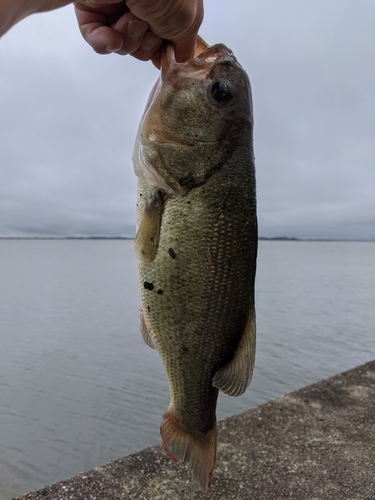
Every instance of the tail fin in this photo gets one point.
(197, 449)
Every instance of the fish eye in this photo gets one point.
(220, 91)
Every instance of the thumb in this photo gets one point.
(185, 48)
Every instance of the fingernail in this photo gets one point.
(110, 49)
(151, 41)
(135, 29)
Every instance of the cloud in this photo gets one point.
(69, 118)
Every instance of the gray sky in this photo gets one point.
(68, 120)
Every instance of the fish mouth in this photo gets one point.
(200, 65)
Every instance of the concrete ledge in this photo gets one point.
(317, 443)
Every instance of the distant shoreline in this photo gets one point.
(285, 238)
(261, 238)
(67, 237)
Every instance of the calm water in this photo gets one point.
(79, 388)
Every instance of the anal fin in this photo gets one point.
(234, 377)
(147, 238)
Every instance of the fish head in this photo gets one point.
(198, 114)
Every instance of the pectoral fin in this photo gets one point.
(145, 333)
(234, 377)
(147, 238)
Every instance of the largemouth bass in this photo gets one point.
(196, 242)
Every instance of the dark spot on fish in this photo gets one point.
(185, 349)
(148, 308)
(172, 253)
(186, 181)
(148, 286)
(189, 201)
(160, 291)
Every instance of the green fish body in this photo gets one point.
(196, 243)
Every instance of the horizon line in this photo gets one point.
(97, 237)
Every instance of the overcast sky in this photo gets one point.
(68, 120)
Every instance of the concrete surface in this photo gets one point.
(316, 443)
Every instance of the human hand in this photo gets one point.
(109, 26)
(138, 27)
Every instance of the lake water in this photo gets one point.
(78, 387)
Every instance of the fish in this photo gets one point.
(196, 242)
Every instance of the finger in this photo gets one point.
(156, 58)
(150, 45)
(114, 8)
(185, 46)
(93, 25)
(132, 31)
(97, 3)
(185, 49)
